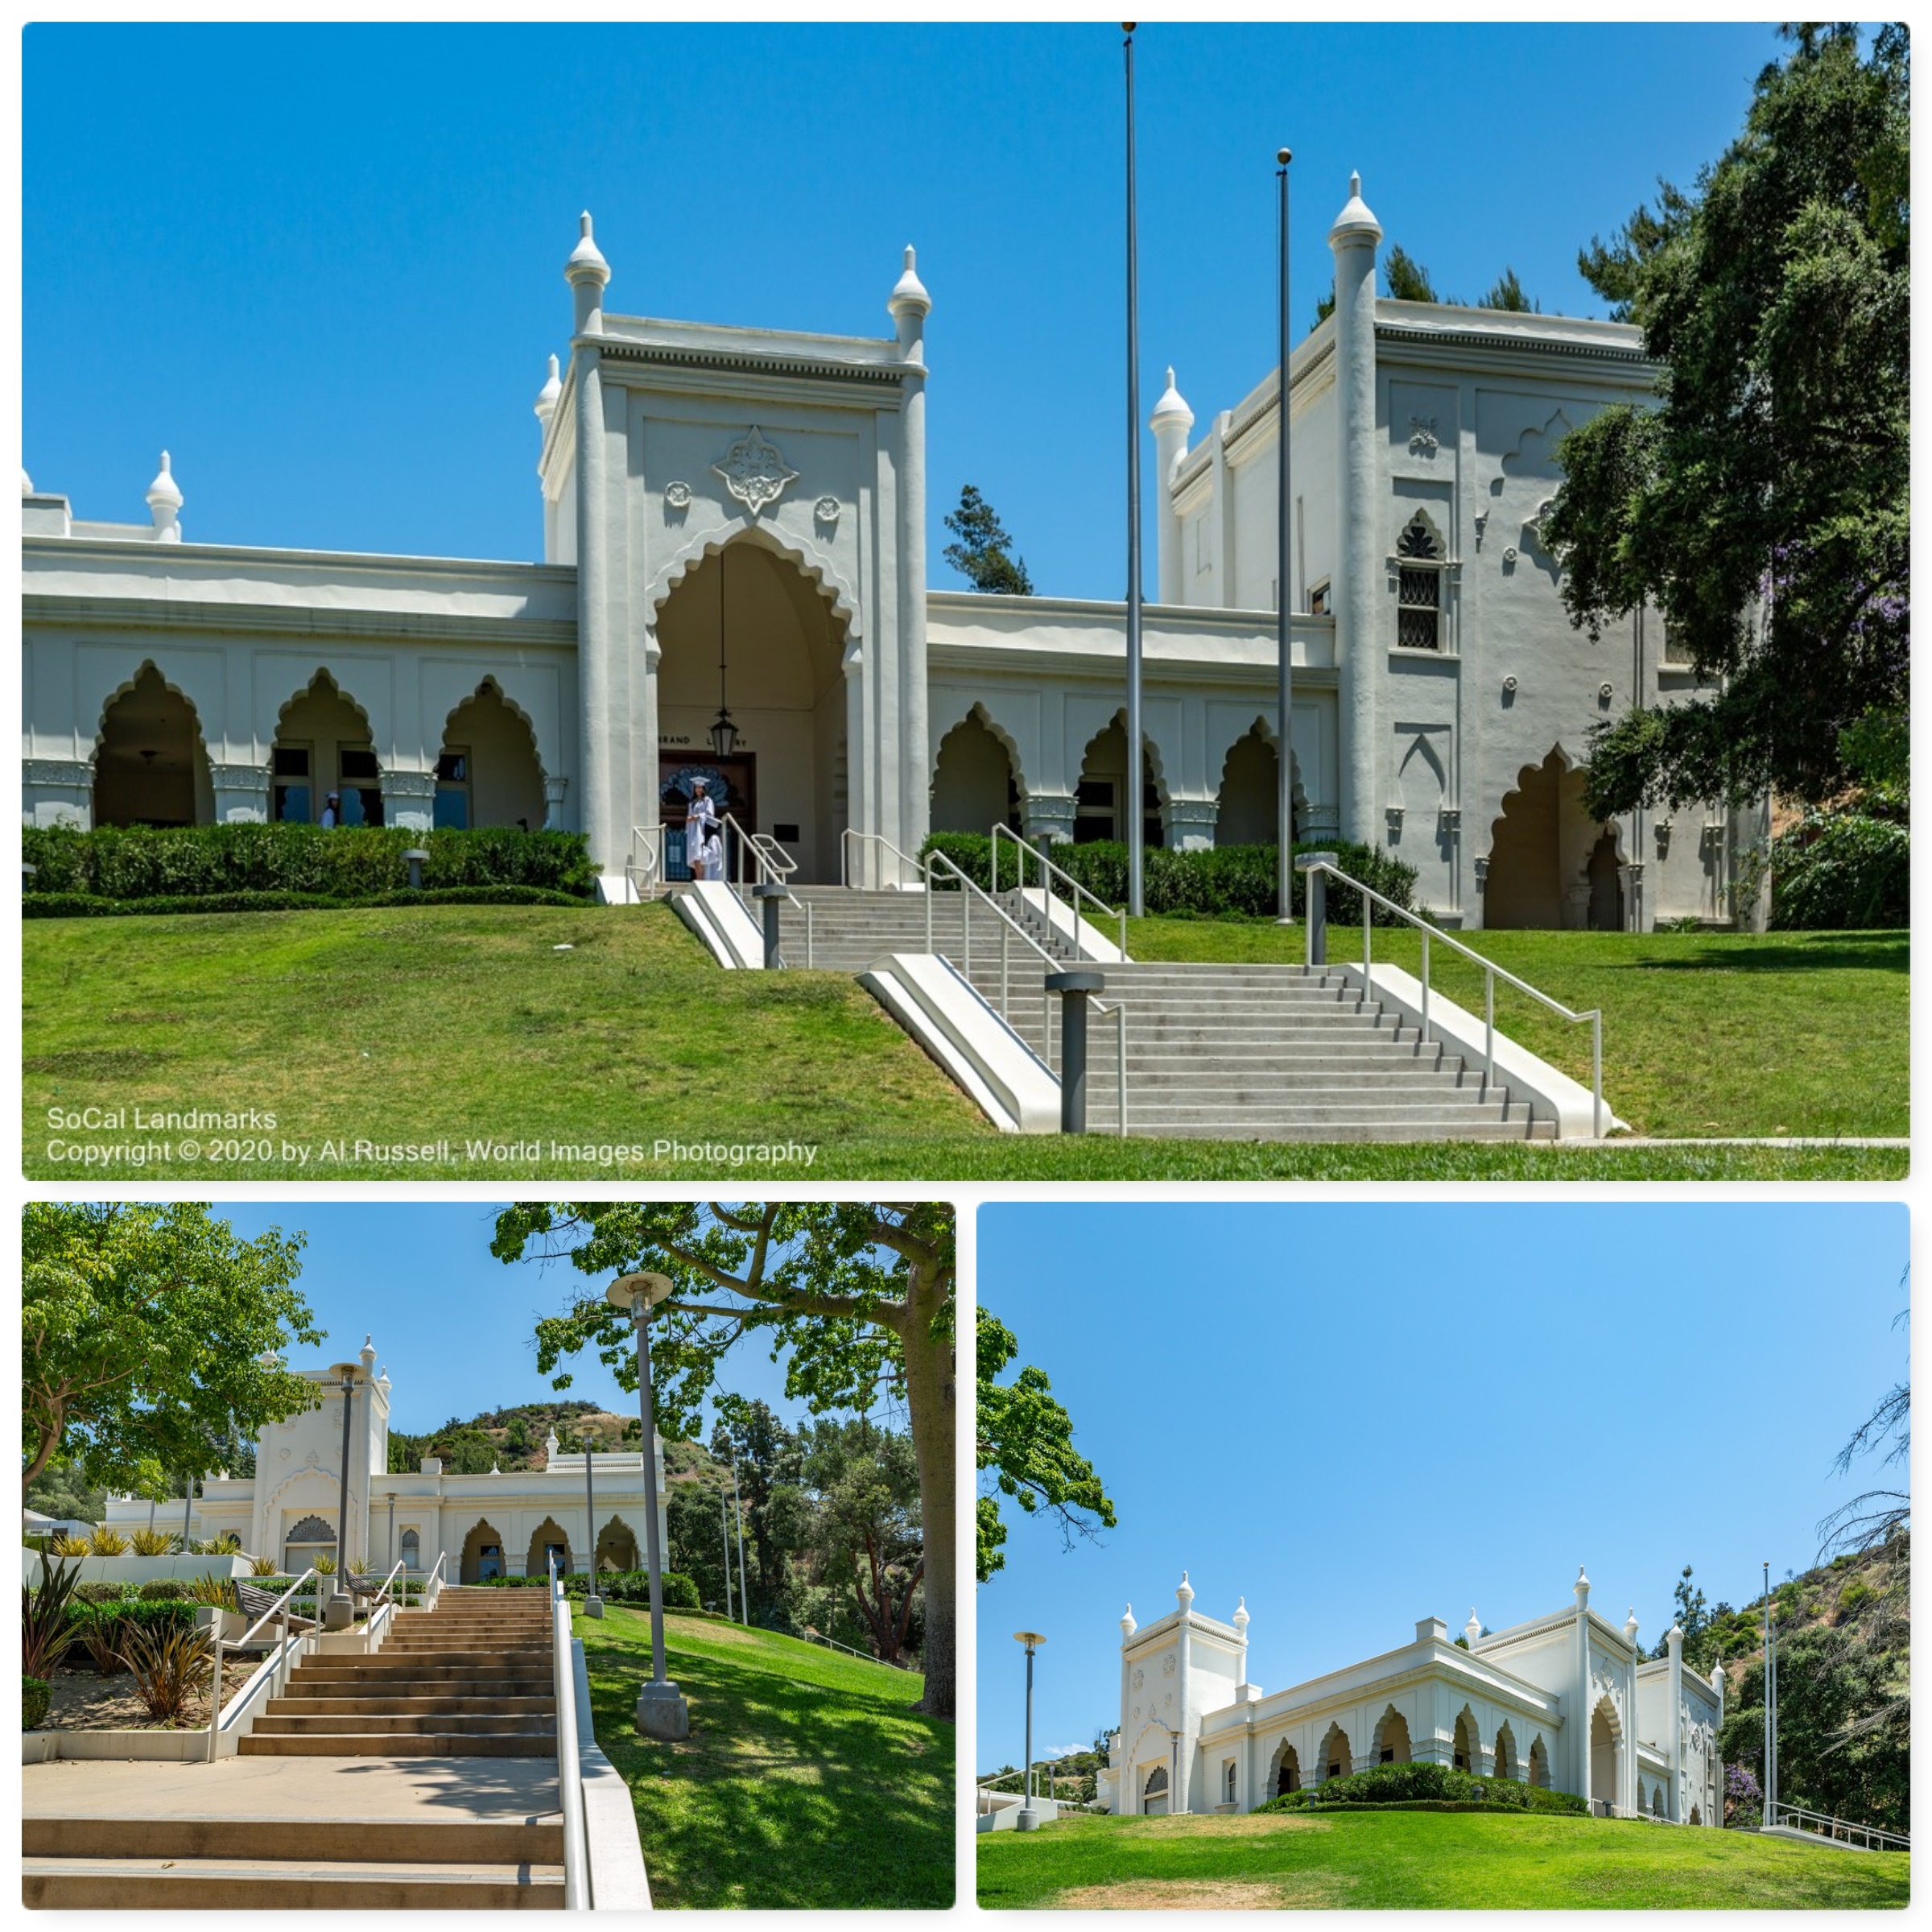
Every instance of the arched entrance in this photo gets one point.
(1550, 864)
(151, 767)
(1539, 1765)
(482, 1555)
(324, 744)
(1250, 802)
(1392, 1739)
(973, 786)
(1101, 805)
(616, 1547)
(547, 1537)
(1465, 1749)
(1337, 1760)
(1154, 1793)
(487, 772)
(1285, 1774)
(1506, 1765)
(782, 648)
(1606, 1751)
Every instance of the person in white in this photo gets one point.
(703, 846)
(332, 813)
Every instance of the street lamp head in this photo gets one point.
(1031, 1639)
(268, 1360)
(638, 1294)
(1283, 155)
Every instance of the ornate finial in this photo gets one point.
(1474, 1627)
(909, 296)
(1241, 1619)
(546, 397)
(587, 260)
(1355, 184)
(1186, 1593)
(1128, 1625)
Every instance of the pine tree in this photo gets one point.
(984, 554)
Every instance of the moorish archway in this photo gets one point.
(1552, 865)
(487, 771)
(324, 744)
(482, 1555)
(150, 766)
(974, 785)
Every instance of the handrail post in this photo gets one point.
(1005, 951)
(570, 1771)
(1368, 951)
(928, 876)
(1120, 1021)
(1423, 1040)
(1488, 1030)
(1597, 1074)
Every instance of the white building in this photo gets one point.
(736, 519)
(498, 1524)
(1566, 1700)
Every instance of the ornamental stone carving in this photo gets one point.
(1140, 1677)
(1167, 1665)
(1422, 436)
(826, 509)
(754, 471)
(677, 496)
(56, 771)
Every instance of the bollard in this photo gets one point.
(1316, 911)
(773, 897)
(1073, 989)
(416, 859)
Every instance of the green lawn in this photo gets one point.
(1397, 1861)
(531, 1030)
(808, 1779)
(1782, 1033)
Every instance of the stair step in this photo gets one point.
(353, 1701)
(365, 1743)
(474, 1840)
(218, 1883)
(408, 1723)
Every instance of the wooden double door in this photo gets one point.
(732, 784)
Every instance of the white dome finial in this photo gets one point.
(1172, 408)
(546, 397)
(1128, 1625)
(1357, 222)
(1474, 1627)
(164, 503)
(587, 261)
(909, 296)
(26, 482)
(1241, 1619)
(1185, 1594)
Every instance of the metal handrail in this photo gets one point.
(223, 1645)
(433, 1584)
(830, 1643)
(774, 866)
(650, 867)
(1048, 867)
(852, 835)
(1777, 1812)
(570, 1768)
(1492, 972)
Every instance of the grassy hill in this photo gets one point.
(1402, 1860)
(529, 1029)
(808, 1780)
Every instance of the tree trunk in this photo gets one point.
(931, 1403)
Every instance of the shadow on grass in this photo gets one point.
(1880, 953)
(788, 1794)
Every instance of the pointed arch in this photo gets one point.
(1505, 1760)
(1539, 1763)
(547, 1536)
(1550, 863)
(324, 742)
(616, 1547)
(1334, 1759)
(151, 762)
(1466, 1745)
(1284, 1770)
(490, 769)
(1606, 1746)
(1249, 803)
(1390, 1745)
(1103, 795)
(1155, 1797)
(976, 780)
(804, 555)
(482, 1553)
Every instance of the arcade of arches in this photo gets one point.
(782, 680)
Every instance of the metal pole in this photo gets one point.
(391, 1564)
(1284, 600)
(744, 1586)
(640, 1320)
(188, 1511)
(339, 1594)
(1136, 755)
(1028, 1807)
(1770, 1760)
(594, 1600)
(725, 1531)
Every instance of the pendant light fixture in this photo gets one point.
(724, 733)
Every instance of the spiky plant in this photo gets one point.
(107, 1542)
(46, 1635)
(217, 1591)
(100, 1629)
(61, 1544)
(264, 1566)
(171, 1668)
(325, 1566)
(151, 1543)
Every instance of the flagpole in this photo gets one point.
(1284, 598)
(1136, 754)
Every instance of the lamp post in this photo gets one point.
(724, 1531)
(737, 1508)
(340, 1611)
(1029, 1819)
(593, 1604)
(1284, 599)
(1770, 1707)
(662, 1711)
(1136, 757)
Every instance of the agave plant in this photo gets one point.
(151, 1543)
(107, 1542)
(61, 1544)
(265, 1566)
(219, 1590)
(170, 1668)
(325, 1566)
(46, 1635)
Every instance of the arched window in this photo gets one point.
(1419, 560)
(412, 1550)
(1153, 1794)
(1228, 1782)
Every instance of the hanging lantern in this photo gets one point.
(724, 733)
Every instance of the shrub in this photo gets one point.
(101, 1593)
(264, 1566)
(353, 863)
(1423, 1783)
(46, 1632)
(61, 1544)
(36, 1694)
(1219, 881)
(170, 1667)
(98, 1626)
(1842, 869)
(218, 1591)
(615, 1586)
(166, 1589)
(74, 906)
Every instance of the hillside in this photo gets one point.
(808, 1780)
(1403, 1861)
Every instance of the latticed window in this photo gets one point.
(1418, 616)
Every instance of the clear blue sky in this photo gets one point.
(323, 266)
(454, 1326)
(1359, 1415)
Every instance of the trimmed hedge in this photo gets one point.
(618, 1586)
(135, 1612)
(36, 1694)
(1216, 882)
(1411, 1785)
(358, 863)
(78, 904)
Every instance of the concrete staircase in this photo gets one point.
(359, 1789)
(1222, 1052)
(471, 1678)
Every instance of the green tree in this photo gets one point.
(1507, 293)
(1024, 1438)
(1763, 504)
(984, 553)
(58, 1491)
(865, 1532)
(861, 1294)
(140, 1328)
(766, 1454)
(1408, 281)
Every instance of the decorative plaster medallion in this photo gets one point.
(285, 1454)
(1422, 436)
(1140, 1677)
(677, 496)
(1167, 1665)
(311, 1458)
(754, 471)
(826, 509)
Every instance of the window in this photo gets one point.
(1320, 604)
(1419, 587)
(412, 1550)
(361, 786)
(293, 797)
(452, 792)
(1388, 1756)
(1093, 811)
(1227, 1781)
